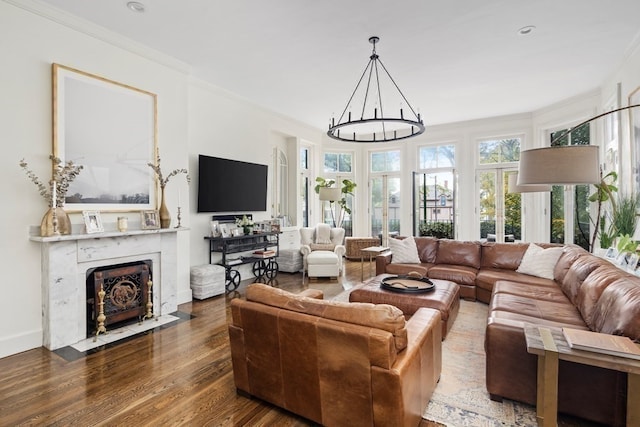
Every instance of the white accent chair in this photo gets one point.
(322, 250)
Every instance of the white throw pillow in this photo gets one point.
(539, 262)
(323, 234)
(404, 251)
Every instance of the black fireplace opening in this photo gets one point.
(124, 292)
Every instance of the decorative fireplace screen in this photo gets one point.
(117, 294)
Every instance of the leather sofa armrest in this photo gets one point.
(381, 262)
(312, 293)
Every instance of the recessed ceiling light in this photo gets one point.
(525, 31)
(136, 6)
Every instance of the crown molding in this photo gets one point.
(100, 33)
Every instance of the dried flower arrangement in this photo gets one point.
(63, 175)
(164, 180)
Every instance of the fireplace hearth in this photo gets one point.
(118, 295)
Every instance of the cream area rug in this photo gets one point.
(461, 398)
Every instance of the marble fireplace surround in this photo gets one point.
(66, 259)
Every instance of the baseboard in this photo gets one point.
(19, 343)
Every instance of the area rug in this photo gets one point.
(461, 398)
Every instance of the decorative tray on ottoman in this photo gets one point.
(407, 283)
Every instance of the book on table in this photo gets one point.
(596, 342)
(267, 253)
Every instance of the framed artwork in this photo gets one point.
(110, 129)
(634, 125)
(633, 262)
(92, 222)
(149, 220)
(611, 253)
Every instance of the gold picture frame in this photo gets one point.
(149, 220)
(110, 129)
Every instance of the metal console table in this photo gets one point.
(262, 266)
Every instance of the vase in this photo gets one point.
(247, 230)
(165, 216)
(63, 226)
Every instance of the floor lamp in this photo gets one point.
(330, 194)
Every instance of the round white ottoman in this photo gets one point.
(323, 264)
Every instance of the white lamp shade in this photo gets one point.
(330, 194)
(513, 187)
(565, 165)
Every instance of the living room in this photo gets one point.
(197, 117)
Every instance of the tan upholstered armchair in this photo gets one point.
(327, 243)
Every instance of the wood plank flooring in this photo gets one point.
(178, 375)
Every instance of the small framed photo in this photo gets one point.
(92, 222)
(215, 228)
(224, 230)
(623, 259)
(633, 261)
(275, 226)
(236, 231)
(149, 220)
(611, 253)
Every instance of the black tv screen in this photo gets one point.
(231, 185)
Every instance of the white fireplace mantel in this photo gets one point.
(66, 259)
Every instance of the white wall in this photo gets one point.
(193, 118)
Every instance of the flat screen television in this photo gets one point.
(231, 186)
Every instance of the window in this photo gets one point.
(384, 188)
(433, 189)
(442, 156)
(499, 213)
(304, 185)
(570, 221)
(385, 161)
(497, 151)
(338, 163)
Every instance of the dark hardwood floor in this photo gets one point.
(180, 374)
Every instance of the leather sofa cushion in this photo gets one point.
(499, 255)
(519, 320)
(543, 292)
(618, 309)
(427, 249)
(379, 316)
(422, 268)
(593, 287)
(569, 255)
(488, 277)
(561, 310)
(582, 267)
(460, 253)
(460, 274)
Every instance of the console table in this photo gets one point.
(262, 266)
(550, 346)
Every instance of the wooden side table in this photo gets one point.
(371, 251)
(550, 346)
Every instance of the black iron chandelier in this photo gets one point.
(372, 124)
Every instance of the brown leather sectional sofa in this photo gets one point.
(586, 293)
(335, 363)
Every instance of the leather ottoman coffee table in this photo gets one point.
(444, 298)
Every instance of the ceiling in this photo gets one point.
(454, 60)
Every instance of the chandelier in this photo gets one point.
(371, 124)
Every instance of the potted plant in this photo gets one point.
(338, 197)
(604, 193)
